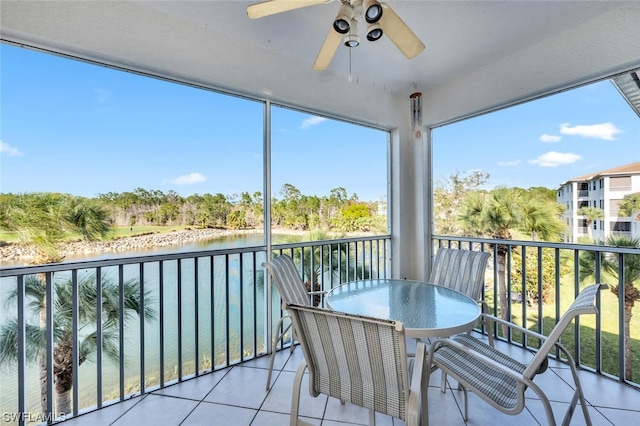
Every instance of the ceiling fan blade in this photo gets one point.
(272, 7)
(399, 33)
(327, 50)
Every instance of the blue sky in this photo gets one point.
(545, 142)
(82, 129)
(72, 127)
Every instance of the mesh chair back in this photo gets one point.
(583, 304)
(461, 270)
(287, 279)
(356, 359)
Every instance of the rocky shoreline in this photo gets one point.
(15, 252)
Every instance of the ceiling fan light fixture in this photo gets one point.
(372, 11)
(352, 39)
(374, 32)
(342, 23)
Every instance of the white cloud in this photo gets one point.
(311, 121)
(555, 159)
(605, 131)
(550, 138)
(509, 163)
(189, 179)
(11, 151)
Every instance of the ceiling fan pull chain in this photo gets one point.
(350, 65)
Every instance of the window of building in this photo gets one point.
(620, 183)
(623, 227)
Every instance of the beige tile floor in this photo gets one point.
(237, 396)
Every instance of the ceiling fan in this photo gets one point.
(379, 17)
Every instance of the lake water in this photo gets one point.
(88, 372)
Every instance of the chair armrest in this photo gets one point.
(488, 317)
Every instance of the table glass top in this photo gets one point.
(417, 304)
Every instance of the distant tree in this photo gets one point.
(500, 212)
(540, 217)
(495, 214)
(542, 192)
(631, 283)
(236, 219)
(591, 214)
(630, 206)
(45, 219)
(352, 217)
(219, 207)
(448, 197)
(532, 279)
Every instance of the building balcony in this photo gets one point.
(199, 351)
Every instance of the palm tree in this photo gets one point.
(43, 221)
(501, 211)
(35, 290)
(631, 273)
(494, 214)
(630, 206)
(591, 214)
(540, 219)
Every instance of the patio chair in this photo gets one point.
(292, 290)
(460, 270)
(501, 380)
(360, 360)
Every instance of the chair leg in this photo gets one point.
(274, 349)
(273, 356)
(578, 395)
(295, 395)
(372, 418)
(466, 402)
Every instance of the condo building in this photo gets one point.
(603, 190)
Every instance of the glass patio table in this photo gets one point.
(426, 310)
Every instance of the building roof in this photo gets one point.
(631, 168)
(629, 87)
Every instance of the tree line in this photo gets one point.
(45, 218)
(292, 209)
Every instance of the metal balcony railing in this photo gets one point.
(198, 312)
(206, 310)
(540, 289)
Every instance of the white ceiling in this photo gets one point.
(480, 55)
